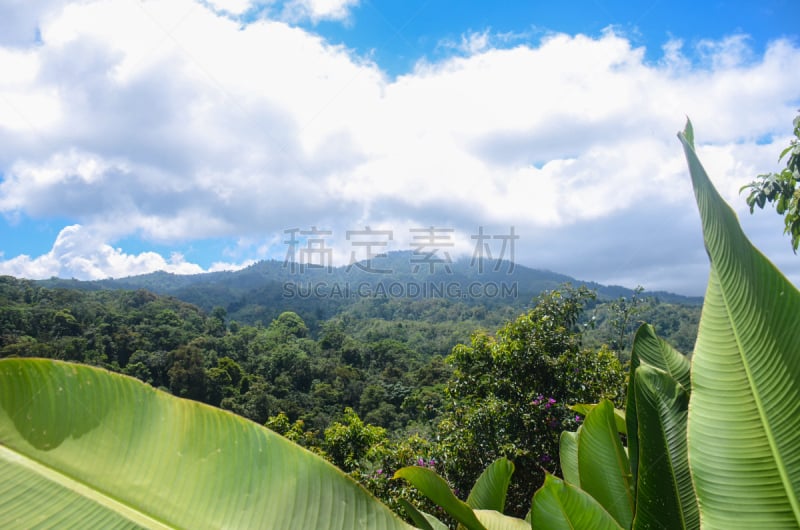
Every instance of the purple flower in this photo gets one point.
(577, 418)
(545, 458)
(420, 461)
(379, 472)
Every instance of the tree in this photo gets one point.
(508, 395)
(781, 189)
(347, 443)
(623, 318)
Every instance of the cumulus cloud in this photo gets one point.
(173, 122)
(318, 10)
(79, 253)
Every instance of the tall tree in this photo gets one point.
(509, 394)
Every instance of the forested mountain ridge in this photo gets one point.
(260, 292)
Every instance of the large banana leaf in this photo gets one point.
(744, 412)
(494, 520)
(650, 349)
(489, 491)
(424, 521)
(84, 448)
(436, 489)
(603, 466)
(559, 505)
(665, 497)
(568, 456)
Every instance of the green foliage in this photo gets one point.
(508, 395)
(484, 506)
(748, 333)
(624, 311)
(712, 443)
(650, 485)
(676, 323)
(347, 444)
(781, 189)
(728, 460)
(558, 505)
(82, 447)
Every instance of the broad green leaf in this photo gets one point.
(558, 505)
(603, 464)
(436, 489)
(665, 498)
(655, 351)
(423, 520)
(489, 491)
(568, 455)
(744, 411)
(81, 447)
(494, 520)
(651, 349)
(619, 415)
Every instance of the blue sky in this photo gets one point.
(190, 135)
(397, 34)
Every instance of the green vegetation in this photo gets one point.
(467, 438)
(509, 393)
(85, 448)
(781, 189)
(726, 461)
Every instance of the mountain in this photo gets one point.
(260, 292)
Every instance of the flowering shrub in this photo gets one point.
(509, 395)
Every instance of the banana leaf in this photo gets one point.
(81, 447)
(489, 491)
(558, 505)
(568, 456)
(603, 464)
(665, 497)
(650, 349)
(436, 489)
(744, 411)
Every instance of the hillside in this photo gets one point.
(260, 292)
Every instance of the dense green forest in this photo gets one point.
(379, 383)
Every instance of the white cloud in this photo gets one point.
(318, 10)
(172, 122)
(78, 253)
(234, 7)
(20, 19)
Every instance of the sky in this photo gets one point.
(192, 136)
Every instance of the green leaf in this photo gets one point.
(744, 413)
(603, 465)
(653, 350)
(568, 455)
(494, 520)
(665, 497)
(489, 491)
(436, 489)
(619, 415)
(559, 505)
(82, 447)
(423, 520)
